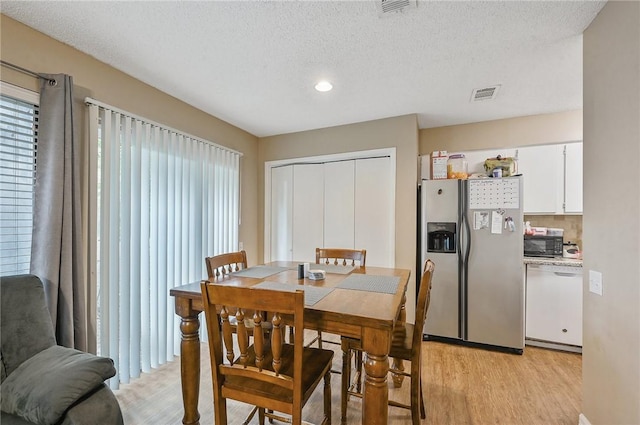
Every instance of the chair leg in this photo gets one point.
(346, 376)
(358, 369)
(261, 416)
(327, 398)
(423, 412)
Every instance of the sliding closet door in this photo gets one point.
(308, 211)
(282, 213)
(339, 204)
(375, 210)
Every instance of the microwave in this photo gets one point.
(543, 246)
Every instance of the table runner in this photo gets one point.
(332, 268)
(259, 271)
(371, 283)
(312, 294)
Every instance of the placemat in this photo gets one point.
(259, 271)
(371, 283)
(312, 294)
(332, 268)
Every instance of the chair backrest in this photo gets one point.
(424, 297)
(340, 256)
(266, 361)
(221, 265)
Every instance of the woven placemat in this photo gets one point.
(371, 283)
(259, 271)
(312, 294)
(332, 268)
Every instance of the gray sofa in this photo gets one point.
(43, 383)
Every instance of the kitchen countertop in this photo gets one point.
(557, 261)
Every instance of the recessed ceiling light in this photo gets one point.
(324, 86)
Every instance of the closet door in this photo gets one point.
(282, 213)
(375, 210)
(339, 204)
(308, 211)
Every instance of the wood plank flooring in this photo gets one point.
(462, 386)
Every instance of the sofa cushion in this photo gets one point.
(43, 387)
(25, 318)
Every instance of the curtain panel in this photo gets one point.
(162, 202)
(56, 245)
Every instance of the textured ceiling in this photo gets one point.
(254, 63)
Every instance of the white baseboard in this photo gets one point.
(582, 420)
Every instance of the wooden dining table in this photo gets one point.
(359, 302)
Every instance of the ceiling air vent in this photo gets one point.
(485, 93)
(391, 7)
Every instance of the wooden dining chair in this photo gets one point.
(406, 345)
(341, 256)
(338, 257)
(269, 372)
(222, 265)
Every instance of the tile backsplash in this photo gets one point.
(572, 225)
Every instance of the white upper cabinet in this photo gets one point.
(552, 176)
(542, 171)
(573, 178)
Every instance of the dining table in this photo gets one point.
(352, 301)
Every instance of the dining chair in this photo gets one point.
(405, 345)
(342, 257)
(268, 373)
(222, 265)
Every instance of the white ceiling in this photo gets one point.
(254, 63)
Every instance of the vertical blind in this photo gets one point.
(163, 201)
(18, 140)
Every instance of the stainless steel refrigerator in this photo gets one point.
(472, 230)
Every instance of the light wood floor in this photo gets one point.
(462, 386)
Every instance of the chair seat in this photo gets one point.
(316, 363)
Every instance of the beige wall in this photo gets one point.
(399, 132)
(506, 133)
(611, 352)
(27, 48)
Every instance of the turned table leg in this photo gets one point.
(189, 360)
(375, 400)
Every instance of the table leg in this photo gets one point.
(375, 399)
(189, 361)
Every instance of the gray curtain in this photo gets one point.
(56, 255)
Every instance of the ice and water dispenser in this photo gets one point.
(441, 237)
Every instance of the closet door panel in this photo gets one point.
(339, 204)
(282, 213)
(374, 210)
(308, 210)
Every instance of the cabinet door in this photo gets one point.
(543, 175)
(374, 210)
(573, 178)
(308, 211)
(339, 204)
(282, 213)
(554, 304)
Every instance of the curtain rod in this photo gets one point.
(26, 71)
(90, 101)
